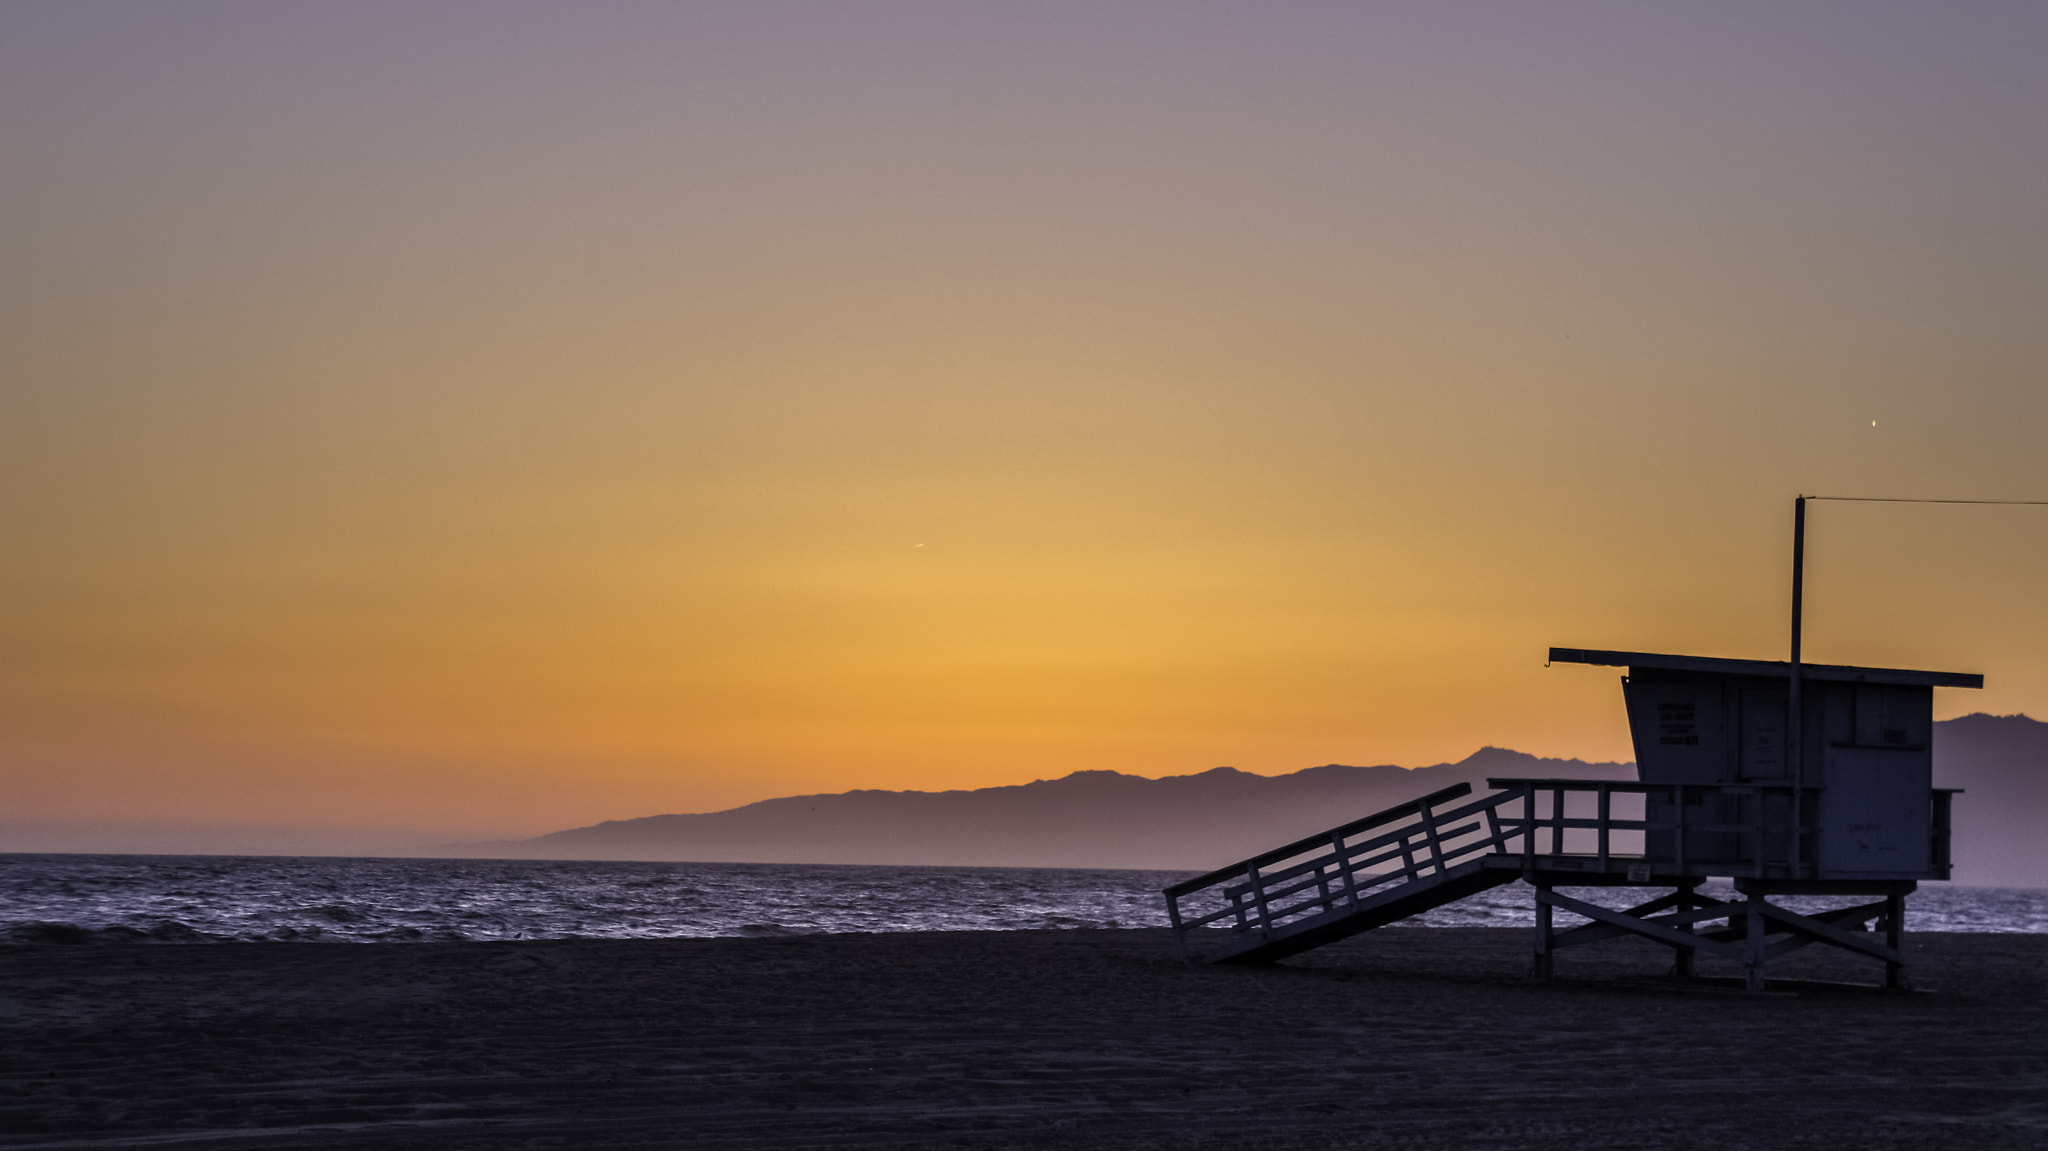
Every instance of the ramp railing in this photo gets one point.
(1550, 832)
(1340, 869)
(1674, 828)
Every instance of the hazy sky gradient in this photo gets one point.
(490, 418)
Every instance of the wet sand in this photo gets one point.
(1411, 1038)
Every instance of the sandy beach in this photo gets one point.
(1416, 1038)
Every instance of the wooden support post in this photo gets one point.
(1754, 955)
(1682, 966)
(1543, 932)
(1894, 937)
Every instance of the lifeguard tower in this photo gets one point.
(1843, 807)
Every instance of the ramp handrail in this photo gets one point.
(1398, 811)
(1321, 873)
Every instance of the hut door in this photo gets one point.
(1875, 814)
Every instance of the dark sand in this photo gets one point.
(1412, 1038)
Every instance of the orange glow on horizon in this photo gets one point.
(484, 423)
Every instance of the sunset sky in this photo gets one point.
(478, 419)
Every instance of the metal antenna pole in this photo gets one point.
(1795, 716)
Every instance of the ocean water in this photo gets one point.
(201, 899)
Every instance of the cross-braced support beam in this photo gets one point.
(1755, 931)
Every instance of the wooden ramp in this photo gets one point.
(1366, 874)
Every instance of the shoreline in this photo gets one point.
(1076, 1039)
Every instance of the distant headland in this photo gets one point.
(1193, 822)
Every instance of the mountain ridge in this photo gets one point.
(1095, 818)
(1192, 822)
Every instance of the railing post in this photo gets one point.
(1939, 845)
(1808, 860)
(1678, 832)
(1344, 868)
(1259, 900)
(1528, 827)
(1762, 801)
(1557, 821)
(1436, 845)
(1543, 935)
(1604, 809)
(1180, 937)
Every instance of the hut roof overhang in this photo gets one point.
(1769, 669)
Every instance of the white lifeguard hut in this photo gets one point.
(1866, 806)
(1784, 778)
(1721, 793)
